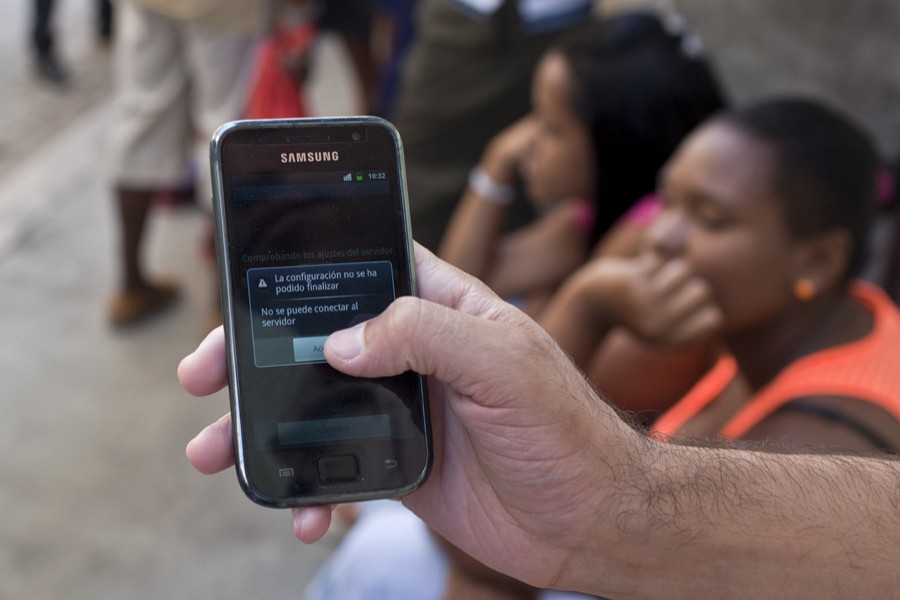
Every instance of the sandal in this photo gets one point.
(132, 307)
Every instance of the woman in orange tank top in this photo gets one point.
(771, 206)
(764, 227)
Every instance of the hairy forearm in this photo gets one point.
(720, 523)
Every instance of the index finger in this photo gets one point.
(212, 449)
(444, 284)
(204, 371)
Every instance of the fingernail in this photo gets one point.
(347, 344)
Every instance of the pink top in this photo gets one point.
(644, 211)
(585, 213)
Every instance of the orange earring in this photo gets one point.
(804, 290)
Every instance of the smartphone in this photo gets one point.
(312, 236)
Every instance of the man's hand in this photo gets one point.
(537, 478)
(519, 469)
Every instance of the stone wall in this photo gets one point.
(846, 52)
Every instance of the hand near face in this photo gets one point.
(504, 153)
(660, 301)
(524, 448)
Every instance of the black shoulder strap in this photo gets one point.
(835, 416)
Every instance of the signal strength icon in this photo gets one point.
(348, 177)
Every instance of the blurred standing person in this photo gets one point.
(104, 20)
(352, 21)
(375, 35)
(47, 63)
(181, 68)
(466, 77)
(393, 33)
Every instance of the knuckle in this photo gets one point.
(404, 316)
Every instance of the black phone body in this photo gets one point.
(312, 236)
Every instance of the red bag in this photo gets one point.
(274, 94)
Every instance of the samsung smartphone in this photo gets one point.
(312, 236)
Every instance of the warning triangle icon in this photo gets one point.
(262, 284)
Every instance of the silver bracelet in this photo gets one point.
(488, 188)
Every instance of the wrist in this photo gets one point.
(649, 506)
(620, 544)
(488, 188)
(499, 166)
(592, 292)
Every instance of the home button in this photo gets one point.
(334, 469)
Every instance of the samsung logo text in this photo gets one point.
(303, 157)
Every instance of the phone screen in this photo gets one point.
(313, 237)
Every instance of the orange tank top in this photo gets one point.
(867, 369)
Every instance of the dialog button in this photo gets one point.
(310, 349)
(333, 469)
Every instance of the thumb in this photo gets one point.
(416, 335)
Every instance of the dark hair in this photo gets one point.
(640, 89)
(825, 168)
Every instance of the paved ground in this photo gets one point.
(96, 498)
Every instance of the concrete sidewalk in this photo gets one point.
(97, 500)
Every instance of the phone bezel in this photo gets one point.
(284, 127)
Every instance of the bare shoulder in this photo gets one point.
(830, 422)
